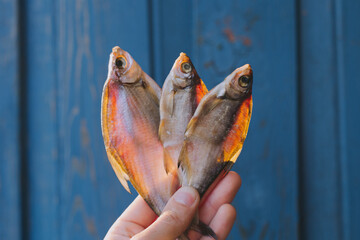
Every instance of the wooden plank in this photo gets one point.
(10, 203)
(172, 26)
(228, 34)
(348, 49)
(320, 182)
(91, 197)
(42, 153)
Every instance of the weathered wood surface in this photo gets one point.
(228, 35)
(10, 157)
(299, 164)
(348, 102)
(329, 50)
(91, 198)
(319, 115)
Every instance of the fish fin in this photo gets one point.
(168, 162)
(167, 107)
(191, 124)
(208, 106)
(171, 102)
(201, 227)
(221, 93)
(182, 166)
(203, 87)
(211, 104)
(234, 141)
(205, 230)
(161, 129)
(171, 169)
(201, 91)
(153, 86)
(174, 185)
(120, 173)
(167, 104)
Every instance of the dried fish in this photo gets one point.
(216, 133)
(182, 91)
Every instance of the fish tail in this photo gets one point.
(201, 227)
(204, 229)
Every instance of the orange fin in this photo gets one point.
(161, 130)
(234, 141)
(191, 124)
(203, 87)
(201, 91)
(120, 173)
(183, 165)
(168, 162)
(208, 106)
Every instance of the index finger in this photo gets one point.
(139, 212)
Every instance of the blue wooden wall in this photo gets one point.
(299, 164)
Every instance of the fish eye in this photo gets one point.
(244, 81)
(120, 62)
(186, 67)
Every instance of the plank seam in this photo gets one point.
(57, 127)
(341, 131)
(337, 121)
(300, 186)
(23, 108)
(151, 38)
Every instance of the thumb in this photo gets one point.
(176, 217)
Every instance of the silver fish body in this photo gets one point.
(181, 93)
(217, 131)
(130, 122)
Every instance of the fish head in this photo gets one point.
(184, 72)
(122, 67)
(239, 83)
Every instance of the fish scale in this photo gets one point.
(130, 122)
(130, 119)
(215, 134)
(182, 91)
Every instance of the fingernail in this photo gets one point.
(185, 196)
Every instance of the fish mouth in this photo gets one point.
(126, 75)
(243, 70)
(116, 49)
(246, 69)
(117, 52)
(183, 58)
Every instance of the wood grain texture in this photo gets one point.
(348, 59)
(10, 202)
(228, 34)
(320, 182)
(91, 197)
(302, 149)
(172, 26)
(42, 136)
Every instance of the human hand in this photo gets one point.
(138, 221)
